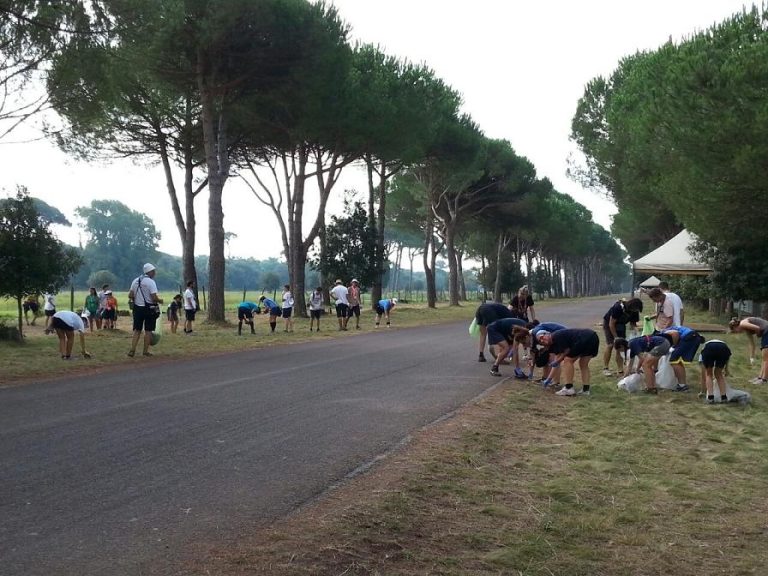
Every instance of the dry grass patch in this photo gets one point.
(523, 482)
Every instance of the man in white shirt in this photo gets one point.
(143, 295)
(339, 294)
(190, 307)
(664, 311)
(678, 313)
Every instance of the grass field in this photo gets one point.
(38, 356)
(519, 482)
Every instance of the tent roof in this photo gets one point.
(650, 282)
(672, 258)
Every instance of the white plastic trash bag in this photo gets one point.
(665, 375)
(631, 383)
(734, 395)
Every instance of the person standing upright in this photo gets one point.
(353, 295)
(49, 309)
(287, 308)
(190, 307)
(665, 311)
(146, 310)
(315, 307)
(340, 295)
(92, 305)
(678, 310)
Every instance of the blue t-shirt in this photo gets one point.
(269, 303)
(506, 326)
(643, 344)
(250, 305)
(548, 326)
(386, 305)
(682, 330)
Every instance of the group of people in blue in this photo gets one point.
(346, 300)
(521, 340)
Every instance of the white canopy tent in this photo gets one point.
(672, 258)
(650, 282)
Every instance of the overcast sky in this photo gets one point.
(521, 67)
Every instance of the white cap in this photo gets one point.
(355, 280)
(394, 300)
(148, 268)
(541, 333)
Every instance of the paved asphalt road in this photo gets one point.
(118, 473)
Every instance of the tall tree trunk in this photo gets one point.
(215, 142)
(462, 281)
(380, 253)
(497, 284)
(453, 272)
(429, 264)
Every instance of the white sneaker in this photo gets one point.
(566, 392)
(607, 372)
(583, 392)
(757, 380)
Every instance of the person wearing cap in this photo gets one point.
(271, 307)
(353, 296)
(384, 308)
(315, 307)
(109, 315)
(146, 310)
(102, 294)
(541, 354)
(570, 346)
(66, 323)
(340, 295)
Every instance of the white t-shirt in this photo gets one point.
(316, 300)
(50, 302)
(141, 287)
(287, 299)
(189, 299)
(677, 307)
(71, 319)
(339, 293)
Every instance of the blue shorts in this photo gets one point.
(764, 340)
(685, 350)
(243, 313)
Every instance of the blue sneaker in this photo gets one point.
(546, 382)
(520, 374)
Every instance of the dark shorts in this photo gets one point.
(380, 310)
(276, 311)
(59, 324)
(341, 310)
(109, 315)
(189, 314)
(764, 340)
(315, 313)
(621, 332)
(660, 350)
(541, 358)
(173, 315)
(685, 350)
(34, 306)
(144, 319)
(353, 311)
(486, 314)
(589, 346)
(494, 336)
(48, 312)
(243, 313)
(287, 312)
(715, 354)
